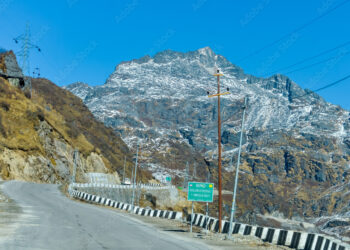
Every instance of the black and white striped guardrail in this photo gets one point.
(124, 206)
(101, 185)
(292, 239)
(289, 238)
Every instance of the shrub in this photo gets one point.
(4, 170)
(38, 114)
(72, 131)
(28, 94)
(5, 106)
(2, 129)
(5, 89)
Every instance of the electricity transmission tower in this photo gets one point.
(26, 45)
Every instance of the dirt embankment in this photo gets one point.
(39, 132)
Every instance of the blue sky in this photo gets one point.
(83, 40)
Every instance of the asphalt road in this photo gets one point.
(49, 220)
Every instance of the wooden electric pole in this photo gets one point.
(218, 94)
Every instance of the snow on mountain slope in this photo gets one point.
(295, 143)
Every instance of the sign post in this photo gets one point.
(191, 217)
(168, 180)
(200, 191)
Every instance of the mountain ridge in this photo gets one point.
(295, 143)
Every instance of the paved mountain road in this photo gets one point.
(49, 220)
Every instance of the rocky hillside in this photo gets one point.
(41, 125)
(296, 146)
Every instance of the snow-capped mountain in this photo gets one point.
(296, 145)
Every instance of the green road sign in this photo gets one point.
(200, 191)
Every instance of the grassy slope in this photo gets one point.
(70, 118)
(80, 122)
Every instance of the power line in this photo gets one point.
(317, 63)
(293, 31)
(310, 58)
(332, 84)
(310, 92)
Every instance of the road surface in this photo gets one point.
(49, 220)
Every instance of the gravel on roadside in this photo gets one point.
(213, 240)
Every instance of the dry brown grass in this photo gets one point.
(69, 118)
(78, 126)
(2, 61)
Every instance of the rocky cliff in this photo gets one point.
(296, 145)
(39, 132)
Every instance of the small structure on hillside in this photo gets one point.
(10, 70)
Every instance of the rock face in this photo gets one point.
(296, 145)
(10, 70)
(39, 133)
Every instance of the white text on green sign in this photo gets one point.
(200, 191)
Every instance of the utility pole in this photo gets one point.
(186, 175)
(194, 174)
(218, 94)
(75, 159)
(134, 181)
(124, 169)
(237, 169)
(132, 176)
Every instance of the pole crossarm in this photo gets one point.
(224, 93)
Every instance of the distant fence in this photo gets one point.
(122, 193)
(101, 178)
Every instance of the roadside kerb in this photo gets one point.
(289, 238)
(124, 206)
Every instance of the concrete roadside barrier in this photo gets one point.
(171, 215)
(276, 236)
